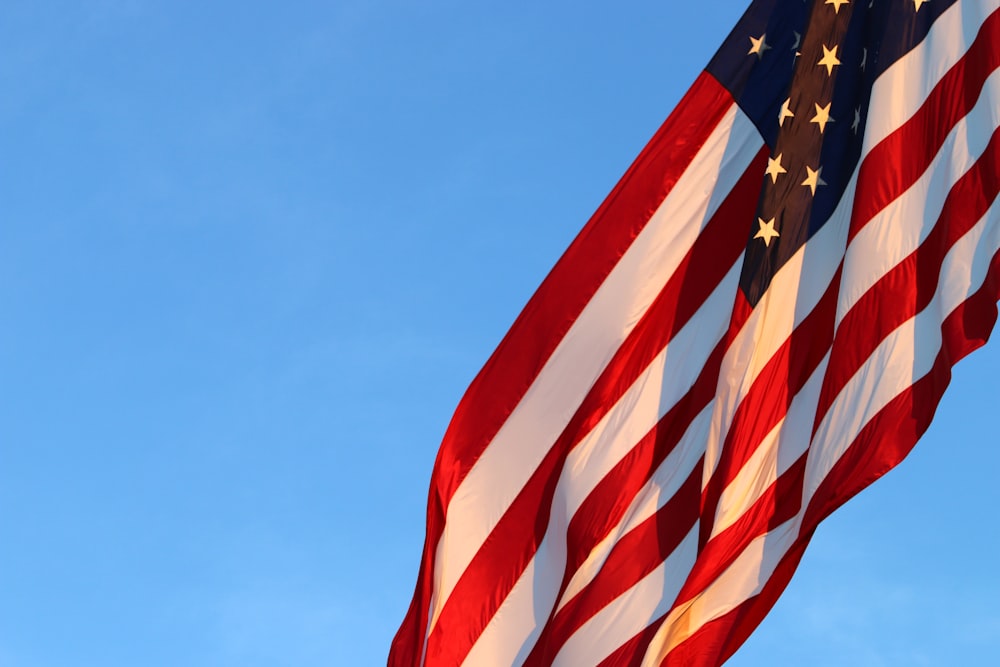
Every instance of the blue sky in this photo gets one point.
(252, 254)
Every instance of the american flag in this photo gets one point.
(757, 323)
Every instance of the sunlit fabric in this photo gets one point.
(757, 323)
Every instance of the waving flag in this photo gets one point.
(757, 323)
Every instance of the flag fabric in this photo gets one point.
(757, 323)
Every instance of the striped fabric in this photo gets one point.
(757, 323)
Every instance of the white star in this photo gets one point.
(798, 39)
(857, 120)
(822, 117)
(759, 46)
(864, 58)
(836, 4)
(829, 58)
(918, 3)
(774, 168)
(766, 231)
(813, 179)
(785, 112)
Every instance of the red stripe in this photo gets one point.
(605, 507)
(882, 444)
(501, 560)
(907, 289)
(890, 435)
(634, 556)
(646, 547)
(716, 641)
(549, 314)
(778, 504)
(769, 397)
(902, 157)
(630, 653)
(884, 441)
(712, 255)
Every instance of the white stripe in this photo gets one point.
(887, 240)
(889, 371)
(906, 355)
(508, 643)
(563, 370)
(890, 237)
(653, 393)
(631, 612)
(754, 567)
(516, 626)
(792, 295)
(782, 447)
(743, 579)
(657, 389)
(901, 227)
(522, 442)
(903, 88)
(763, 337)
(656, 493)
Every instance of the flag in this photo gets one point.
(757, 323)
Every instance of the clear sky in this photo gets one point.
(251, 254)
